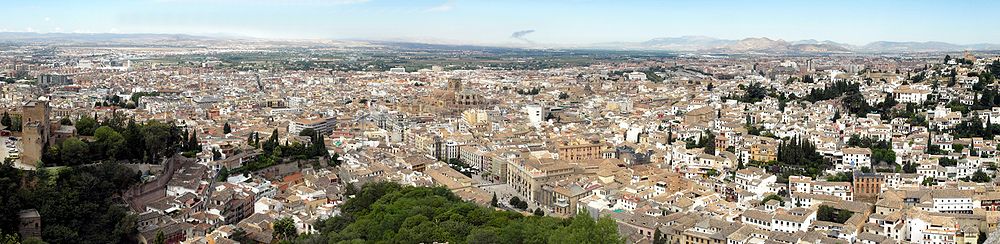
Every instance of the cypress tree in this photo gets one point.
(193, 142)
(6, 120)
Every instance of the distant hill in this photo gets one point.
(696, 44)
(94, 37)
(885, 46)
(152, 39)
(767, 45)
(686, 43)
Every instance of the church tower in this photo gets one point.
(455, 84)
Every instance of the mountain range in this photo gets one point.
(767, 45)
(694, 44)
(94, 37)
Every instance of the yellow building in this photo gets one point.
(580, 150)
(763, 152)
(475, 117)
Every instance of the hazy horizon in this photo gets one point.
(557, 22)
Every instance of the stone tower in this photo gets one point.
(36, 130)
(455, 84)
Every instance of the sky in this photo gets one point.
(565, 22)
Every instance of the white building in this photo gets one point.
(756, 181)
(855, 158)
(793, 220)
(399, 70)
(911, 94)
(636, 75)
(322, 125)
(952, 201)
(536, 114)
(927, 229)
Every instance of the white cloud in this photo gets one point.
(47, 19)
(444, 7)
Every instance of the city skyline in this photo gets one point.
(494, 121)
(516, 22)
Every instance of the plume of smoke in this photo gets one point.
(520, 35)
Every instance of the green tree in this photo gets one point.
(117, 121)
(6, 120)
(74, 151)
(226, 129)
(947, 162)
(798, 157)
(317, 146)
(52, 156)
(271, 143)
(192, 143)
(133, 138)
(78, 205)
(884, 155)
(929, 181)
(160, 238)
(65, 121)
(493, 202)
(514, 201)
(335, 160)
(538, 212)
(284, 229)
(32, 240)
(15, 124)
(108, 142)
(389, 212)
(584, 229)
(980, 177)
(350, 189)
(241, 236)
(522, 205)
(8, 238)
(216, 154)
(250, 141)
(256, 140)
(658, 237)
(841, 177)
(711, 173)
(85, 126)
(909, 168)
(957, 147)
(710, 143)
(223, 174)
(772, 197)
(307, 132)
(483, 236)
(831, 214)
(160, 139)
